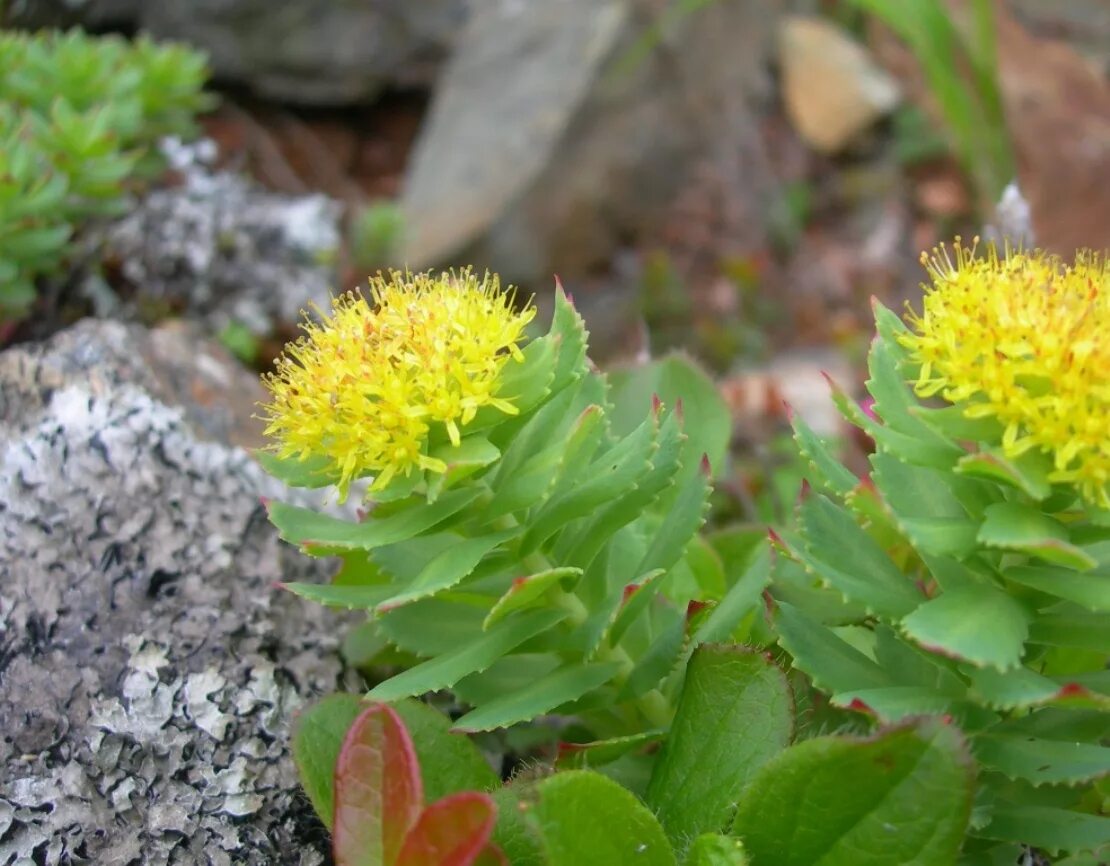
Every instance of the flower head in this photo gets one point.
(366, 387)
(1024, 338)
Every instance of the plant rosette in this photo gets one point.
(968, 575)
(531, 529)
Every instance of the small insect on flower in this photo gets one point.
(1024, 338)
(373, 382)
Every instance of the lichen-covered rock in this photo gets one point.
(148, 668)
(221, 250)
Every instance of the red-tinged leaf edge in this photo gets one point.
(454, 831)
(379, 794)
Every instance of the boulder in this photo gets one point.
(150, 670)
(562, 131)
(315, 52)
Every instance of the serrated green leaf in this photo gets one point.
(951, 422)
(447, 569)
(893, 398)
(848, 560)
(586, 543)
(346, 597)
(683, 519)
(527, 383)
(894, 703)
(1090, 590)
(586, 819)
(637, 596)
(744, 596)
(831, 473)
(911, 790)
(659, 660)
(1028, 473)
(569, 330)
(530, 591)
(925, 507)
(708, 422)
(1076, 629)
(1048, 827)
(734, 715)
(557, 688)
(445, 670)
(1014, 689)
(318, 733)
(613, 473)
(1041, 761)
(307, 527)
(1012, 526)
(829, 660)
(714, 849)
(472, 454)
(980, 624)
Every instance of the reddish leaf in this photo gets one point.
(451, 832)
(378, 792)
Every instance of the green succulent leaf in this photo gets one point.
(1042, 761)
(307, 527)
(911, 789)
(1048, 827)
(978, 623)
(581, 756)
(585, 819)
(545, 694)
(531, 591)
(832, 662)
(345, 597)
(445, 670)
(735, 714)
(1012, 526)
(1090, 590)
(831, 474)
(1028, 473)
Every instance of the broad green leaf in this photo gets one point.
(448, 762)
(347, 597)
(560, 687)
(708, 423)
(530, 591)
(831, 473)
(735, 714)
(447, 569)
(832, 663)
(901, 798)
(1048, 827)
(586, 819)
(378, 791)
(305, 526)
(444, 671)
(1028, 473)
(451, 832)
(713, 849)
(318, 734)
(1090, 590)
(1041, 761)
(848, 560)
(515, 834)
(1012, 526)
(981, 624)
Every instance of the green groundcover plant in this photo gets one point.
(913, 673)
(79, 116)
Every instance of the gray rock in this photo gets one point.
(149, 668)
(65, 13)
(221, 250)
(319, 52)
(562, 130)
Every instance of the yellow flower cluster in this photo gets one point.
(363, 387)
(1024, 338)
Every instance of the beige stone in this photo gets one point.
(832, 88)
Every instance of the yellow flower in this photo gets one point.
(365, 387)
(1023, 338)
